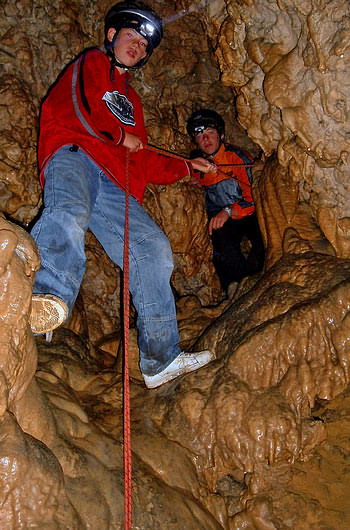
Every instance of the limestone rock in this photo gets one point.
(259, 438)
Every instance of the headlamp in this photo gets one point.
(208, 124)
(147, 28)
(199, 130)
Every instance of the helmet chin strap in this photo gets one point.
(115, 62)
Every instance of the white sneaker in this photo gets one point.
(183, 364)
(48, 312)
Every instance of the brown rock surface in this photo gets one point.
(258, 439)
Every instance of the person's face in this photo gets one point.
(130, 46)
(209, 141)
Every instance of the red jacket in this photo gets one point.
(92, 108)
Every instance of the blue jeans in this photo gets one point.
(78, 196)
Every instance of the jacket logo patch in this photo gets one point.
(120, 106)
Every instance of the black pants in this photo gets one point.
(229, 261)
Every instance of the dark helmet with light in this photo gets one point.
(205, 119)
(138, 16)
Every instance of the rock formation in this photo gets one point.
(259, 439)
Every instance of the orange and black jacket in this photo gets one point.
(230, 186)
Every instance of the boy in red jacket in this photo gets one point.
(90, 122)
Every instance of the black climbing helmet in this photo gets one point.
(138, 16)
(204, 119)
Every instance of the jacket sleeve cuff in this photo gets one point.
(122, 137)
(189, 168)
(235, 208)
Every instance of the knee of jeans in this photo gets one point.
(156, 249)
(164, 252)
(76, 215)
(60, 223)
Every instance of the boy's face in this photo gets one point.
(130, 46)
(209, 141)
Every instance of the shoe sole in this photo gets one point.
(47, 314)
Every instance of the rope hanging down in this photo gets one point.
(126, 304)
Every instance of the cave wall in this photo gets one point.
(287, 61)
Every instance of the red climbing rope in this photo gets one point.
(180, 157)
(126, 303)
(218, 166)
